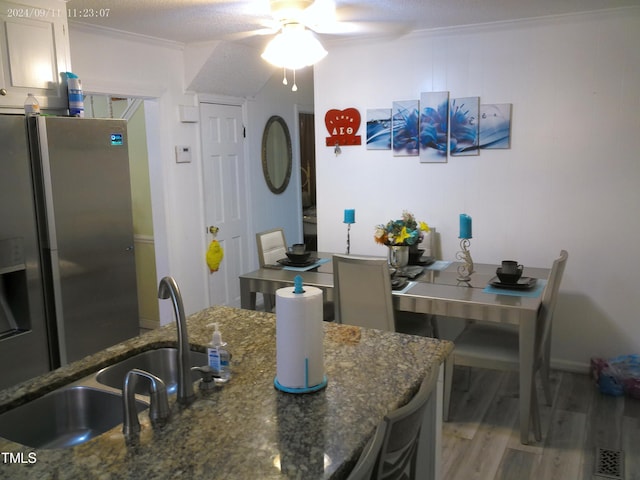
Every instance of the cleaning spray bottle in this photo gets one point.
(218, 356)
(76, 99)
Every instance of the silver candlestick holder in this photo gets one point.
(348, 238)
(464, 255)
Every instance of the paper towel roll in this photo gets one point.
(299, 339)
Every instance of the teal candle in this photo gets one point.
(349, 215)
(465, 226)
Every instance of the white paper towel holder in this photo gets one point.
(307, 388)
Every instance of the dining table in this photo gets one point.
(434, 288)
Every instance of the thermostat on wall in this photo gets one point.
(183, 154)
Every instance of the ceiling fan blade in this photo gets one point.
(258, 32)
(360, 29)
(319, 12)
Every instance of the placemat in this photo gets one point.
(308, 267)
(533, 293)
(438, 265)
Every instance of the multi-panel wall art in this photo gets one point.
(436, 126)
(495, 125)
(464, 126)
(404, 128)
(379, 129)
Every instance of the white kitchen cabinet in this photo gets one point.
(34, 50)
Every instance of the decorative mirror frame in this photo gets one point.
(265, 164)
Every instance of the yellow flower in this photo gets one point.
(424, 227)
(403, 235)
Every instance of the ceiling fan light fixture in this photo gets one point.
(293, 48)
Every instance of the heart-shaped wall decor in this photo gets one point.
(342, 126)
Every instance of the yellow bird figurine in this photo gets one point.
(215, 253)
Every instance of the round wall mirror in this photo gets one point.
(276, 154)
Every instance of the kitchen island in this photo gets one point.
(245, 429)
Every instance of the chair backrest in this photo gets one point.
(368, 460)
(362, 292)
(550, 298)
(272, 246)
(400, 446)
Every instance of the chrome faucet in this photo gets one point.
(159, 409)
(169, 288)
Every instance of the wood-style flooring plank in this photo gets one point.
(576, 393)
(631, 445)
(454, 449)
(562, 455)
(517, 464)
(604, 429)
(469, 406)
(483, 440)
(484, 454)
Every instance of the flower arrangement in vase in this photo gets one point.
(399, 235)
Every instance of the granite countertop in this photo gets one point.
(246, 428)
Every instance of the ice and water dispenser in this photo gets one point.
(14, 297)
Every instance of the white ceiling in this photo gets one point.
(188, 21)
(229, 27)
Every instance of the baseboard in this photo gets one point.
(569, 366)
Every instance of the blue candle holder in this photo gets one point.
(349, 218)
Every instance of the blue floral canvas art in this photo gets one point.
(463, 126)
(379, 129)
(405, 128)
(434, 130)
(495, 125)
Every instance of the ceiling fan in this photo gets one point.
(297, 24)
(295, 46)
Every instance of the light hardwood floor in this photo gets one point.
(481, 441)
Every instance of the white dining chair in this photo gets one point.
(362, 292)
(363, 297)
(496, 346)
(395, 455)
(364, 469)
(272, 247)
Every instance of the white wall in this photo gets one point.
(284, 210)
(570, 180)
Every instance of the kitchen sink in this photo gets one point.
(64, 418)
(162, 362)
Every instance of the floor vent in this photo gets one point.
(609, 464)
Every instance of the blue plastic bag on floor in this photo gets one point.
(617, 376)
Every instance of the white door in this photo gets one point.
(224, 195)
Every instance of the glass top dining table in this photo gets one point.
(436, 291)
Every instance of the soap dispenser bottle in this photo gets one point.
(219, 356)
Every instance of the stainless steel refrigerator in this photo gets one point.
(81, 272)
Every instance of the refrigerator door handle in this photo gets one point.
(48, 185)
(57, 294)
